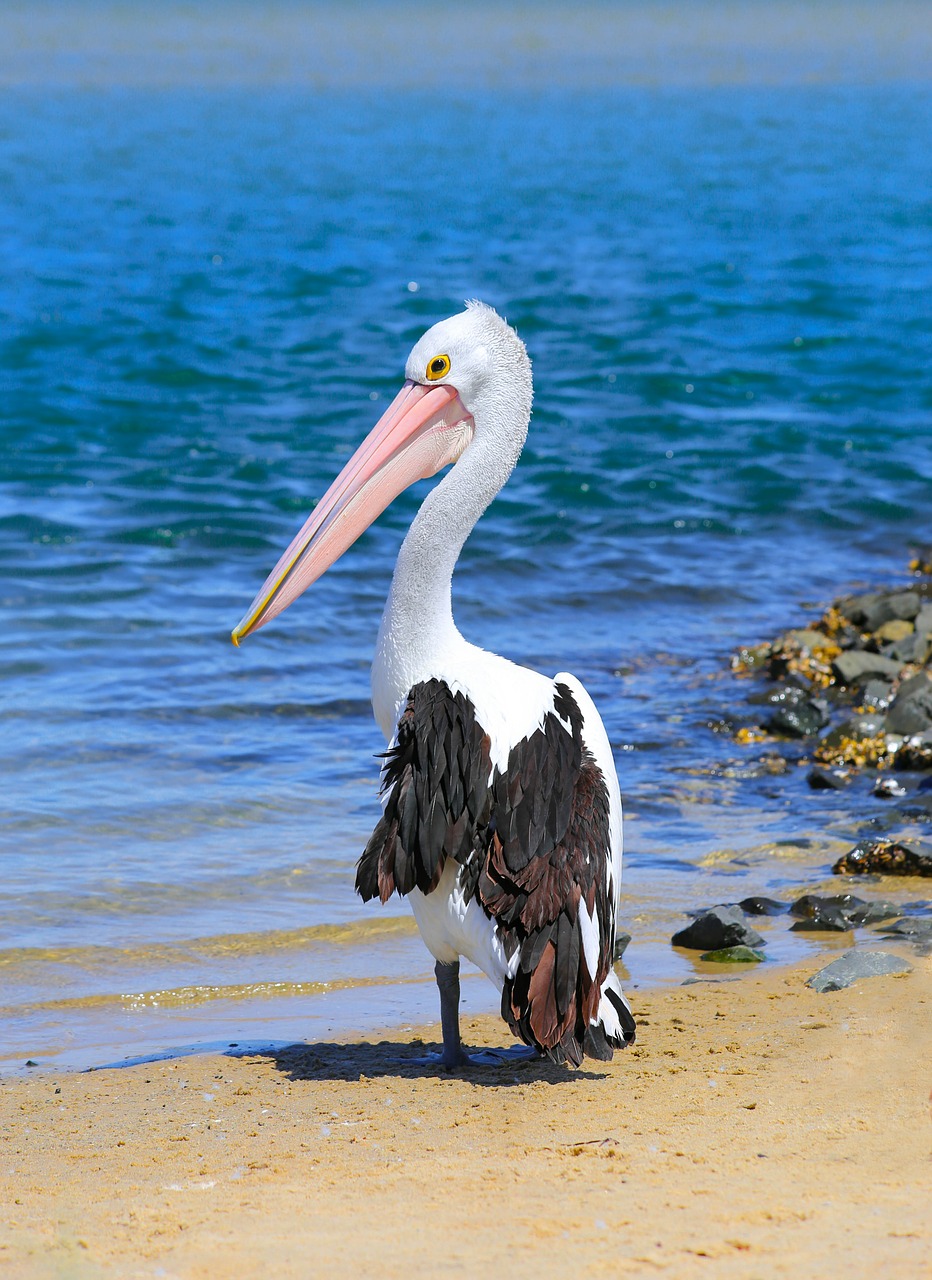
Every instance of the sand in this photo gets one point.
(757, 1129)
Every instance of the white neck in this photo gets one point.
(418, 635)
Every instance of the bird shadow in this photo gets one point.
(352, 1062)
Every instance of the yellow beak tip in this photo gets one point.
(234, 636)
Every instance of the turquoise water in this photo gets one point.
(207, 297)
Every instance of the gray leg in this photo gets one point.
(448, 980)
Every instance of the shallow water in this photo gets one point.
(207, 297)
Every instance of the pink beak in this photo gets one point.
(422, 431)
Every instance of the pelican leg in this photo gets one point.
(448, 982)
(453, 1055)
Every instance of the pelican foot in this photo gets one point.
(504, 1057)
(449, 1062)
(481, 1058)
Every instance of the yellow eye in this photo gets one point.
(439, 366)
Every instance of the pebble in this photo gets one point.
(853, 966)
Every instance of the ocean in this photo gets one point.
(208, 288)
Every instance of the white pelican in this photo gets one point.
(502, 815)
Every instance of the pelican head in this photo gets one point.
(468, 377)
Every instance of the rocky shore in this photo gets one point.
(847, 696)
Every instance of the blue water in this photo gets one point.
(206, 299)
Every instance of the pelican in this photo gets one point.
(501, 820)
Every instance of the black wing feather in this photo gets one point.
(533, 842)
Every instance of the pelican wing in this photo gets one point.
(533, 842)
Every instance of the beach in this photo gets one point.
(757, 1128)
(224, 228)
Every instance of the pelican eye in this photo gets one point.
(437, 367)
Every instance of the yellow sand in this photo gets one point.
(758, 1129)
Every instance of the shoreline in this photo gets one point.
(756, 1127)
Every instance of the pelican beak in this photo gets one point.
(423, 430)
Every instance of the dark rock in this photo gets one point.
(911, 711)
(923, 623)
(877, 607)
(915, 754)
(734, 955)
(886, 856)
(720, 927)
(621, 943)
(872, 912)
(912, 648)
(903, 605)
(857, 667)
(811, 905)
(913, 927)
(763, 906)
(855, 729)
(828, 920)
(828, 779)
(888, 788)
(878, 693)
(853, 966)
(797, 715)
(856, 608)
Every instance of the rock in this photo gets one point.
(872, 912)
(734, 955)
(811, 905)
(828, 779)
(797, 715)
(911, 711)
(913, 648)
(904, 605)
(895, 629)
(808, 639)
(856, 608)
(621, 943)
(857, 667)
(853, 966)
(886, 856)
(763, 906)
(888, 788)
(828, 920)
(877, 607)
(855, 729)
(912, 927)
(717, 928)
(878, 694)
(915, 753)
(923, 623)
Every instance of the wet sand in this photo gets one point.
(757, 1129)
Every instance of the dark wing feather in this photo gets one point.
(549, 838)
(533, 842)
(436, 782)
